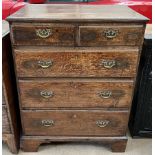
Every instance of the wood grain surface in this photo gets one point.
(76, 62)
(76, 93)
(76, 35)
(125, 35)
(76, 13)
(32, 143)
(75, 122)
(59, 35)
(75, 68)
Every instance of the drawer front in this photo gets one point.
(50, 62)
(75, 93)
(43, 34)
(111, 35)
(74, 123)
(5, 120)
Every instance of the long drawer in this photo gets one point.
(75, 93)
(76, 62)
(74, 123)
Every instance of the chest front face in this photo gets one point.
(76, 68)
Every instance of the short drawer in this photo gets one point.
(43, 34)
(5, 120)
(75, 123)
(111, 35)
(76, 62)
(75, 93)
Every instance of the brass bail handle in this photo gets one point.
(46, 94)
(105, 94)
(108, 63)
(47, 123)
(102, 123)
(43, 33)
(110, 33)
(45, 63)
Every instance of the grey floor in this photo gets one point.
(134, 147)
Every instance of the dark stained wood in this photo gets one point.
(98, 35)
(75, 93)
(32, 143)
(119, 146)
(65, 34)
(75, 73)
(76, 13)
(76, 62)
(74, 123)
(56, 35)
(10, 117)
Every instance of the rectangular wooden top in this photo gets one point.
(76, 13)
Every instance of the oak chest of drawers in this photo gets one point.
(75, 67)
